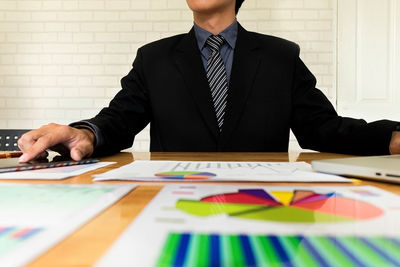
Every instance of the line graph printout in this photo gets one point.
(33, 218)
(143, 170)
(262, 226)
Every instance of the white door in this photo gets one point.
(368, 73)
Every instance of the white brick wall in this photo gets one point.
(62, 60)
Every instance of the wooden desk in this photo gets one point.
(86, 245)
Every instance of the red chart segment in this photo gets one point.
(241, 198)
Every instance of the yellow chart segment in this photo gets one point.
(283, 197)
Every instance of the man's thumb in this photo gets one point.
(76, 154)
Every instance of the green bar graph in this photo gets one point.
(278, 250)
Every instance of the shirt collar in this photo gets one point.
(230, 35)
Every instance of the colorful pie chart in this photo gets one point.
(299, 206)
(182, 175)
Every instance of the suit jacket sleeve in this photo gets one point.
(317, 126)
(127, 114)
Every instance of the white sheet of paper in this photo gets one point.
(33, 218)
(186, 209)
(54, 173)
(145, 170)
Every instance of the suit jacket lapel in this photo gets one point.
(189, 63)
(245, 64)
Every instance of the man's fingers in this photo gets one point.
(34, 143)
(42, 155)
(24, 158)
(37, 148)
(27, 140)
(59, 137)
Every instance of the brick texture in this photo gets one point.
(61, 61)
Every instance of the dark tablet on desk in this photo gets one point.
(12, 164)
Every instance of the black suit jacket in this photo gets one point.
(270, 91)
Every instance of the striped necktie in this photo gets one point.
(216, 75)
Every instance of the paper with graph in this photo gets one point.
(54, 173)
(144, 170)
(212, 225)
(33, 218)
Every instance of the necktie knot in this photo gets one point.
(214, 42)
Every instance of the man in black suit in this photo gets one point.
(217, 88)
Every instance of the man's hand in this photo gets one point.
(60, 138)
(394, 147)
